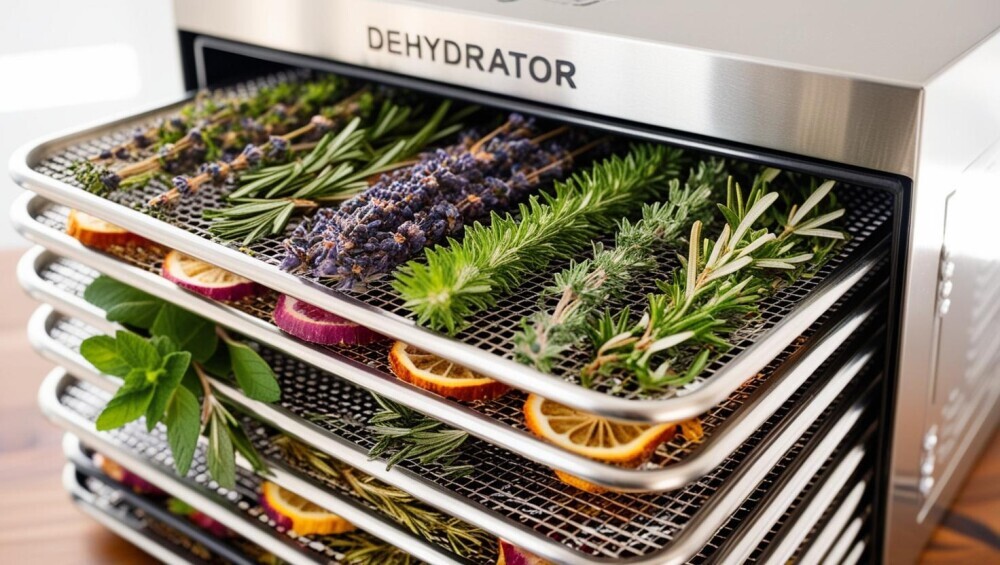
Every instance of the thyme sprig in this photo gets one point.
(466, 277)
(585, 286)
(719, 280)
(398, 505)
(406, 434)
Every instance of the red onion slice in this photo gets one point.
(205, 279)
(315, 325)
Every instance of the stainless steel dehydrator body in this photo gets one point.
(882, 374)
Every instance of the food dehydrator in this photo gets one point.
(836, 428)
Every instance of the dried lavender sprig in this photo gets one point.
(491, 261)
(410, 208)
(586, 286)
(204, 134)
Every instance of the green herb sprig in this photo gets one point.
(719, 280)
(406, 434)
(584, 287)
(466, 277)
(337, 168)
(400, 506)
(363, 549)
(165, 366)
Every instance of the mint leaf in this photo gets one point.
(221, 457)
(219, 365)
(122, 303)
(243, 444)
(136, 351)
(163, 344)
(173, 369)
(189, 332)
(128, 404)
(183, 421)
(102, 352)
(253, 374)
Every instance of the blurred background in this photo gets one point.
(65, 63)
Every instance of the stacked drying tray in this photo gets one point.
(776, 430)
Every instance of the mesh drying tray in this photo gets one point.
(500, 422)
(160, 541)
(154, 514)
(523, 502)
(74, 404)
(486, 348)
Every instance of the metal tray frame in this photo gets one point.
(85, 500)
(725, 381)
(785, 546)
(846, 521)
(738, 427)
(841, 543)
(48, 398)
(85, 467)
(696, 533)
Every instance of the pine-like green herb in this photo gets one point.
(401, 507)
(466, 277)
(719, 280)
(363, 549)
(165, 371)
(405, 434)
(584, 287)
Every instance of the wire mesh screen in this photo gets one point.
(109, 500)
(507, 410)
(867, 222)
(611, 525)
(88, 401)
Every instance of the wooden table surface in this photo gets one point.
(39, 524)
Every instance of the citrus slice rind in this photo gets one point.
(97, 233)
(622, 443)
(205, 279)
(441, 376)
(292, 512)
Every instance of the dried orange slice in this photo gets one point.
(95, 232)
(441, 376)
(574, 481)
(292, 512)
(205, 279)
(622, 443)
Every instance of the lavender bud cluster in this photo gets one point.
(406, 210)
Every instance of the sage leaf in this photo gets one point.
(253, 374)
(183, 421)
(102, 352)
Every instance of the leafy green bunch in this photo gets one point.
(407, 434)
(165, 361)
(719, 281)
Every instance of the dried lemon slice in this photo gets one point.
(292, 512)
(441, 376)
(623, 443)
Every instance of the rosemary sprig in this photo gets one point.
(362, 549)
(337, 168)
(405, 434)
(719, 280)
(401, 507)
(585, 286)
(466, 277)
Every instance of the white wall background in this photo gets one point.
(65, 63)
